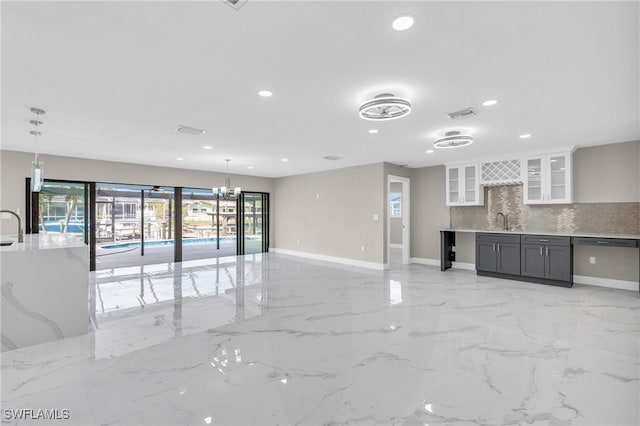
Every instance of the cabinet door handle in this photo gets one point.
(494, 246)
(498, 247)
(540, 250)
(543, 241)
(603, 242)
(546, 250)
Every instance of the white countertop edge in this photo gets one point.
(560, 234)
(34, 242)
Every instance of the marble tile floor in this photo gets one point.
(274, 339)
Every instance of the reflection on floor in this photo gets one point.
(119, 258)
(273, 339)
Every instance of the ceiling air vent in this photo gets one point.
(236, 4)
(331, 158)
(189, 130)
(465, 113)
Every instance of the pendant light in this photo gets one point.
(37, 172)
(225, 192)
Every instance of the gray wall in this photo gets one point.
(429, 212)
(331, 213)
(16, 166)
(607, 173)
(395, 223)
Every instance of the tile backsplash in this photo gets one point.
(606, 218)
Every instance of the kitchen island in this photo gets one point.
(45, 288)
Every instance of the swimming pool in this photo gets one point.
(164, 243)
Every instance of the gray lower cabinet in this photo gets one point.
(486, 256)
(546, 257)
(499, 253)
(537, 258)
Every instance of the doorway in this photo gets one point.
(398, 220)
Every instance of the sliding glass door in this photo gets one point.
(253, 235)
(61, 209)
(127, 225)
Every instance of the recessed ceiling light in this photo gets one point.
(402, 23)
(265, 93)
(525, 136)
(490, 102)
(207, 147)
(373, 131)
(250, 167)
(430, 151)
(179, 158)
(285, 160)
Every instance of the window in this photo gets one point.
(395, 204)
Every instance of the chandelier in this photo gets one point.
(37, 173)
(225, 192)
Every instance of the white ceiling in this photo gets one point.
(117, 78)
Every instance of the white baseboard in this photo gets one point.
(341, 260)
(463, 265)
(436, 262)
(423, 261)
(396, 246)
(606, 282)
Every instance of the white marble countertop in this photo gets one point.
(563, 234)
(42, 242)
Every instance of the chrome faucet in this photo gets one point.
(505, 220)
(20, 232)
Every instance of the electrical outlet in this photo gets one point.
(592, 260)
(362, 248)
(317, 196)
(375, 217)
(298, 241)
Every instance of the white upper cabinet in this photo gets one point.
(548, 179)
(463, 186)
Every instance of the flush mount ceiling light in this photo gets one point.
(403, 22)
(265, 93)
(525, 136)
(385, 106)
(429, 151)
(373, 131)
(189, 130)
(490, 102)
(453, 139)
(207, 147)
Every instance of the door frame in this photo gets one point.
(406, 217)
(240, 249)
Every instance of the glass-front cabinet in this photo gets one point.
(548, 179)
(463, 186)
